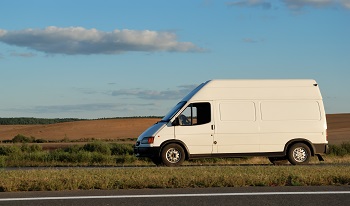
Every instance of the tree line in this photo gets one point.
(32, 120)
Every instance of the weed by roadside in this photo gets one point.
(99, 153)
(94, 153)
(340, 150)
(163, 177)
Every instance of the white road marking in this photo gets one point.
(175, 195)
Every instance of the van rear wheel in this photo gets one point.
(299, 154)
(172, 155)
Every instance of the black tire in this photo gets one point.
(172, 155)
(299, 154)
(278, 160)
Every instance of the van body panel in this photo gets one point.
(239, 143)
(166, 133)
(152, 130)
(258, 93)
(245, 117)
(276, 142)
(239, 116)
(198, 139)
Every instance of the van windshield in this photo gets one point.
(173, 111)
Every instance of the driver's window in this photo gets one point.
(188, 116)
(195, 114)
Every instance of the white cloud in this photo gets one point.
(78, 40)
(250, 40)
(345, 3)
(298, 4)
(152, 94)
(2, 32)
(29, 54)
(77, 108)
(250, 3)
(291, 4)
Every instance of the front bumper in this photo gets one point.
(146, 152)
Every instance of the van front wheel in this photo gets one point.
(173, 155)
(299, 154)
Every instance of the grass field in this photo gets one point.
(74, 144)
(100, 153)
(182, 177)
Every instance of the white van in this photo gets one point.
(279, 119)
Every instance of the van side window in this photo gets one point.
(195, 114)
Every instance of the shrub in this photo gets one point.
(60, 155)
(346, 147)
(100, 147)
(82, 156)
(342, 150)
(125, 159)
(35, 148)
(100, 158)
(40, 141)
(73, 149)
(10, 150)
(37, 156)
(25, 147)
(32, 148)
(21, 139)
(3, 161)
(122, 149)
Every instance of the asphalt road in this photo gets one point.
(286, 196)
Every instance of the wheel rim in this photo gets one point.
(300, 154)
(173, 155)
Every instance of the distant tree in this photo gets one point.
(21, 139)
(31, 120)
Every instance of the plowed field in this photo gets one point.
(338, 129)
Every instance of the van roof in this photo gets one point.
(249, 89)
(260, 82)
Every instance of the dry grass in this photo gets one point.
(183, 177)
(328, 159)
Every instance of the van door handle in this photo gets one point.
(212, 127)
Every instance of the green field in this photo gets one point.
(229, 172)
(100, 153)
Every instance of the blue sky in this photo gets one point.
(95, 59)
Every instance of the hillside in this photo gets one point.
(338, 129)
(98, 129)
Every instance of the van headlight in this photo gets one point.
(147, 140)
